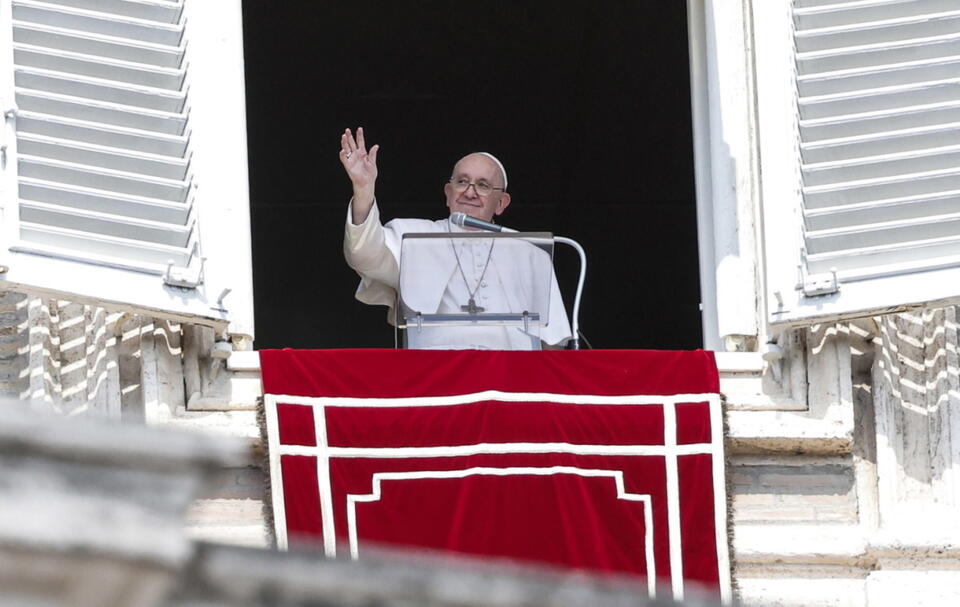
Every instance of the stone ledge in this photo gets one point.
(241, 576)
(790, 550)
(814, 545)
(95, 439)
(788, 432)
(85, 485)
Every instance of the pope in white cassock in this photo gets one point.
(452, 277)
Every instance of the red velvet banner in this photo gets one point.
(606, 461)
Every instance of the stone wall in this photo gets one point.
(806, 489)
(869, 519)
(77, 359)
(844, 453)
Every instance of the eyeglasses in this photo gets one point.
(481, 187)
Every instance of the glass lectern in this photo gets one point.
(478, 290)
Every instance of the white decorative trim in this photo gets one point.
(484, 448)
(276, 474)
(670, 450)
(496, 395)
(720, 506)
(673, 499)
(616, 475)
(323, 483)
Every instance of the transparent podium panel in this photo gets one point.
(478, 290)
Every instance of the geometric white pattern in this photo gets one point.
(670, 450)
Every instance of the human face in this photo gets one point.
(476, 168)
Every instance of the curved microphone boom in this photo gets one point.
(465, 221)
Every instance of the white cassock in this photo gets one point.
(504, 278)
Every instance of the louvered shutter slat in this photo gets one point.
(114, 181)
(876, 100)
(164, 12)
(91, 156)
(104, 202)
(906, 257)
(886, 234)
(923, 116)
(103, 248)
(849, 81)
(879, 167)
(896, 210)
(848, 58)
(834, 14)
(83, 65)
(104, 135)
(97, 45)
(99, 90)
(97, 23)
(924, 25)
(105, 113)
(102, 223)
(883, 143)
(872, 190)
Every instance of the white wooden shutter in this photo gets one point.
(859, 104)
(101, 197)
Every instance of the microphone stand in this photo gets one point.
(575, 316)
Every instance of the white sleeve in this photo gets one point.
(366, 251)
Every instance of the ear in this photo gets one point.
(503, 204)
(447, 190)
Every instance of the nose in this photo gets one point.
(475, 193)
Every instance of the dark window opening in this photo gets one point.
(587, 104)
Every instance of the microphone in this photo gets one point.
(465, 221)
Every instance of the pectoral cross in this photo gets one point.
(472, 307)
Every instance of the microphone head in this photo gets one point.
(458, 218)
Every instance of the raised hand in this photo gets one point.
(361, 168)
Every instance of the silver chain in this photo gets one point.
(463, 275)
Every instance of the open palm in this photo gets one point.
(361, 166)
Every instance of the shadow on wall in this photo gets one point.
(917, 394)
